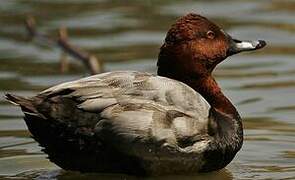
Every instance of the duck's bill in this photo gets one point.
(238, 46)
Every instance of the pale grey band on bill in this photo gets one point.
(247, 45)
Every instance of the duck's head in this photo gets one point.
(194, 46)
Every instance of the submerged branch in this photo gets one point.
(93, 64)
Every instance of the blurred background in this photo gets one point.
(127, 35)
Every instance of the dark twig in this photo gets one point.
(90, 61)
(64, 64)
(30, 25)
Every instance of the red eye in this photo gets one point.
(210, 34)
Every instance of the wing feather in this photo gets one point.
(136, 104)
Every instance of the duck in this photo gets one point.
(138, 123)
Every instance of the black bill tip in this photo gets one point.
(260, 44)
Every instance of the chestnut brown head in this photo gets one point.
(194, 46)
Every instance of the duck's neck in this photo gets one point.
(209, 89)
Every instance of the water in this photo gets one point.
(127, 35)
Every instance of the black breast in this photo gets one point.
(227, 132)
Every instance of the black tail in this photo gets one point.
(34, 120)
(26, 104)
(15, 99)
(42, 131)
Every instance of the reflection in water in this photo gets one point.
(127, 35)
(63, 175)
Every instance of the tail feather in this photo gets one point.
(26, 104)
(14, 99)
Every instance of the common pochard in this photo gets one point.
(176, 122)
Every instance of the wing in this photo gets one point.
(132, 106)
